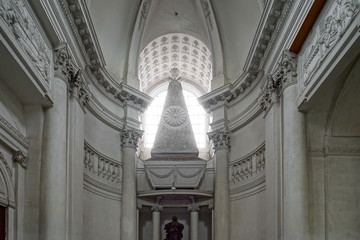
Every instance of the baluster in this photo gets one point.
(91, 160)
(96, 164)
(86, 160)
(253, 163)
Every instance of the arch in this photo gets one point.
(7, 197)
(175, 50)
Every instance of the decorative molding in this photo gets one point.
(17, 16)
(270, 26)
(327, 32)
(220, 139)
(79, 20)
(175, 50)
(175, 174)
(130, 138)
(248, 168)
(207, 12)
(66, 69)
(101, 170)
(145, 6)
(14, 132)
(249, 189)
(3, 160)
(7, 191)
(20, 158)
(284, 75)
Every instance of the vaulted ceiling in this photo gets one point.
(119, 24)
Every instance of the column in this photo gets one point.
(129, 141)
(75, 166)
(221, 141)
(194, 222)
(269, 101)
(21, 162)
(53, 166)
(294, 155)
(156, 222)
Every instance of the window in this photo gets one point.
(198, 118)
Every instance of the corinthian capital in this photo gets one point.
(130, 138)
(220, 139)
(288, 66)
(271, 93)
(19, 157)
(67, 70)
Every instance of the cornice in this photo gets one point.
(24, 141)
(271, 24)
(81, 26)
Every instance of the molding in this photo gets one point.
(270, 25)
(18, 17)
(243, 118)
(284, 75)
(245, 171)
(79, 20)
(66, 69)
(249, 189)
(335, 37)
(7, 198)
(327, 32)
(101, 172)
(101, 189)
(7, 127)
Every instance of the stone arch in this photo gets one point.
(7, 197)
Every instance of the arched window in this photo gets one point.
(194, 61)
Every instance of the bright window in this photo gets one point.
(198, 118)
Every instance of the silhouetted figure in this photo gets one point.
(174, 229)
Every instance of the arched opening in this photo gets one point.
(194, 61)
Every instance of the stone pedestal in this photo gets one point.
(129, 140)
(221, 141)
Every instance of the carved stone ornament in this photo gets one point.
(20, 158)
(20, 22)
(326, 34)
(220, 139)
(270, 94)
(67, 70)
(130, 138)
(284, 76)
(175, 116)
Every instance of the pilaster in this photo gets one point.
(129, 143)
(221, 143)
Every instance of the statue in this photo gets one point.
(174, 229)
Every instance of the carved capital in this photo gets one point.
(193, 208)
(19, 157)
(66, 69)
(220, 139)
(78, 90)
(271, 93)
(288, 68)
(156, 208)
(130, 138)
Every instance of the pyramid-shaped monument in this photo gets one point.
(175, 137)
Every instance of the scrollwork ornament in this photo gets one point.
(220, 139)
(288, 67)
(130, 138)
(19, 157)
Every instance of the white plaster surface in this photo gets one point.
(101, 217)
